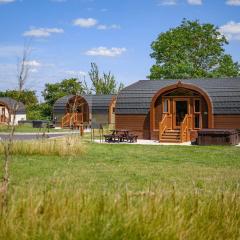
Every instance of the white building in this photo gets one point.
(8, 107)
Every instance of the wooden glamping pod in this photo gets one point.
(73, 111)
(7, 108)
(175, 110)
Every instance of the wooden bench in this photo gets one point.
(120, 136)
(132, 138)
(113, 137)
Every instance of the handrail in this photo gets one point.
(165, 124)
(3, 119)
(72, 119)
(190, 121)
(185, 126)
(65, 119)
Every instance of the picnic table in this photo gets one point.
(121, 135)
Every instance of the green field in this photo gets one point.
(125, 192)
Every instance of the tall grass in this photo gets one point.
(66, 212)
(67, 146)
(27, 128)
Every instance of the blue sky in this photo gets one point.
(67, 35)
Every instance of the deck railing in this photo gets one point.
(72, 119)
(165, 124)
(3, 119)
(186, 125)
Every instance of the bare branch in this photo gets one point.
(22, 75)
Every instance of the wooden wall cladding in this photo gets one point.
(227, 121)
(155, 135)
(137, 124)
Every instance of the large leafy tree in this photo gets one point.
(27, 97)
(39, 111)
(192, 50)
(105, 84)
(53, 92)
(34, 109)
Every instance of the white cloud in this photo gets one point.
(34, 66)
(106, 52)
(106, 27)
(33, 70)
(231, 30)
(233, 2)
(42, 32)
(33, 63)
(195, 2)
(91, 22)
(85, 22)
(168, 2)
(6, 1)
(76, 73)
(102, 27)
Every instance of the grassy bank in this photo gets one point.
(126, 192)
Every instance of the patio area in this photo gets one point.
(145, 142)
(150, 142)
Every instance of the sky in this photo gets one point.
(67, 35)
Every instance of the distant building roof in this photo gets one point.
(224, 93)
(11, 104)
(96, 103)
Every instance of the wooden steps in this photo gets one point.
(4, 120)
(171, 136)
(74, 120)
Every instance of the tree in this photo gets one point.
(105, 84)
(120, 87)
(39, 111)
(27, 97)
(53, 92)
(227, 67)
(22, 75)
(192, 50)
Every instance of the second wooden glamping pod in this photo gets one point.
(72, 111)
(175, 110)
(10, 107)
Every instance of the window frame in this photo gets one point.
(168, 105)
(197, 114)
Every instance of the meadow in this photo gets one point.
(129, 191)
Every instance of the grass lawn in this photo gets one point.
(126, 192)
(136, 166)
(27, 128)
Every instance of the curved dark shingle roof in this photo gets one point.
(224, 93)
(60, 105)
(96, 103)
(11, 104)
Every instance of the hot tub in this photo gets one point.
(217, 137)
